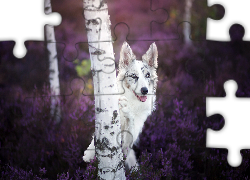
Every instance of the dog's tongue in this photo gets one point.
(143, 98)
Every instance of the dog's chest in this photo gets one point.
(138, 125)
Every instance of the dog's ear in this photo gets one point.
(126, 56)
(151, 56)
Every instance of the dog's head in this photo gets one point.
(139, 76)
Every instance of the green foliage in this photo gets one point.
(82, 68)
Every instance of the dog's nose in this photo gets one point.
(144, 90)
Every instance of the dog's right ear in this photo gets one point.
(126, 56)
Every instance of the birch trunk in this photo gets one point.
(53, 67)
(187, 17)
(107, 124)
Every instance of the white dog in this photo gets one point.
(137, 81)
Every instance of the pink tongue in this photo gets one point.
(143, 98)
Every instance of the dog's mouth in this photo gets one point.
(141, 98)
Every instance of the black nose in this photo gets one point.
(144, 90)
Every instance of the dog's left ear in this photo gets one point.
(151, 56)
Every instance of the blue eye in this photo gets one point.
(134, 76)
(147, 75)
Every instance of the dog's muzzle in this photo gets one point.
(142, 98)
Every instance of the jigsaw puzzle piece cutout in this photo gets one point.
(225, 138)
(223, 61)
(230, 18)
(195, 52)
(71, 31)
(164, 17)
(25, 70)
(24, 22)
(218, 167)
(152, 14)
(69, 93)
(179, 75)
(85, 71)
(76, 43)
(34, 74)
(199, 17)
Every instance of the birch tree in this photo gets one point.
(107, 124)
(187, 17)
(53, 66)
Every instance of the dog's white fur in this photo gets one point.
(133, 75)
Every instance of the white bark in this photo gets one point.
(187, 26)
(53, 67)
(107, 137)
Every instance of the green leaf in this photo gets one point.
(83, 68)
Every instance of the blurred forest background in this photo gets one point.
(172, 144)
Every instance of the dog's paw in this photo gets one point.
(123, 104)
(88, 155)
(135, 167)
(131, 161)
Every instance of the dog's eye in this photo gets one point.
(147, 75)
(134, 76)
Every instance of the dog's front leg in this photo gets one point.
(127, 127)
(89, 154)
(131, 160)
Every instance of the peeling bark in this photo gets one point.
(107, 134)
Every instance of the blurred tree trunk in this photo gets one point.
(53, 67)
(187, 17)
(107, 124)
